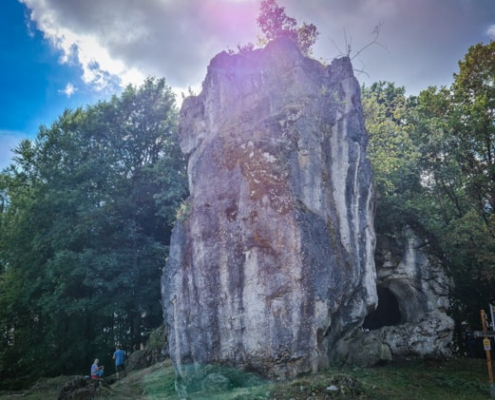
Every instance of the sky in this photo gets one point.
(59, 54)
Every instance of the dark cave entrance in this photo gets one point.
(386, 314)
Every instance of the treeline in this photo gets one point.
(433, 157)
(86, 211)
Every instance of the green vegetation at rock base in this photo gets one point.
(400, 380)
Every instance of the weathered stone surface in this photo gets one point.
(361, 348)
(273, 261)
(421, 289)
(154, 351)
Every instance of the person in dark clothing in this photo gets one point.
(470, 343)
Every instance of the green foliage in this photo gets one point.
(393, 155)
(434, 162)
(275, 23)
(460, 379)
(157, 338)
(474, 124)
(183, 212)
(457, 136)
(88, 217)
(391, 151)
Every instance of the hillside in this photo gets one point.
(408, 380)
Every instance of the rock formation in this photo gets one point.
(411, 318)
(271, 262)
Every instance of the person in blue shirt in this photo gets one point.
(119, 357)
(97, 371)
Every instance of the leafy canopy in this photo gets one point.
(434, 163)
(274, 23)
(86, 222)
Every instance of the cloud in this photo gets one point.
(69, 90)
(117, 42)
(422, 40)
(491, 31)
(133, 39)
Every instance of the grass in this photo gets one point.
(401, 380)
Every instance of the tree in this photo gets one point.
(275, 23)
(474, 122)
(434, 164)
(87, 224)
(392, 153)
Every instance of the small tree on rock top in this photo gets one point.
(274, 23)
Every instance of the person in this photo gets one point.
(470, 343)
(97, 371)
(119, 357)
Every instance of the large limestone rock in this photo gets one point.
(272, 260)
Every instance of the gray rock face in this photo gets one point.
(419, 287)
(272, 262)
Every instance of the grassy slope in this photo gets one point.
(455, 379)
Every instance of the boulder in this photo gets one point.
(271, 262)
(154, 351)
(412, 315)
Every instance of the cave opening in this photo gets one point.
(386, 314)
